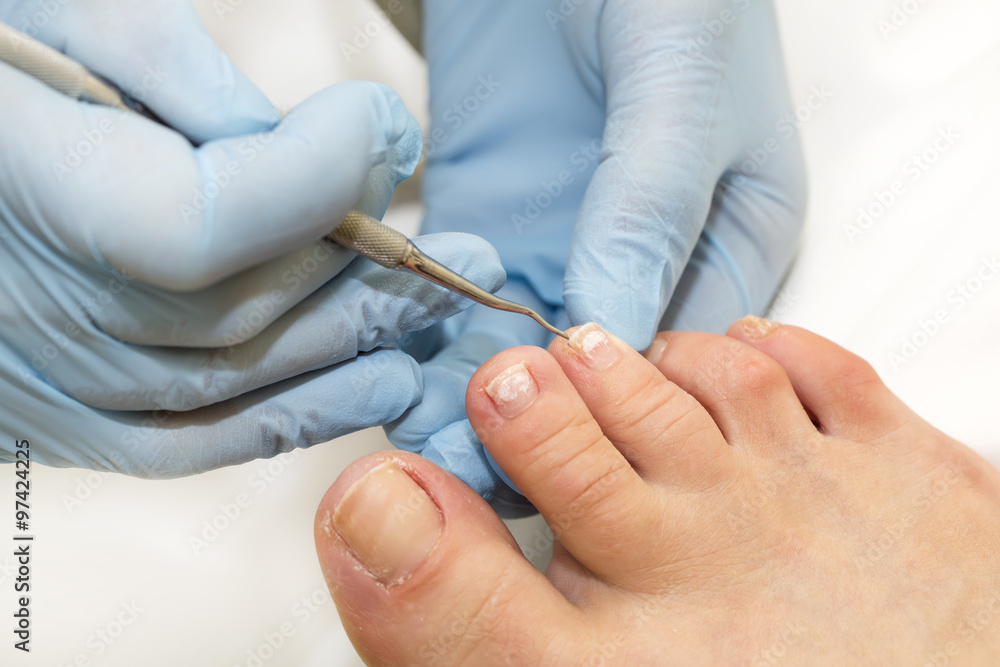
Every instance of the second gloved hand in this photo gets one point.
(634, 161)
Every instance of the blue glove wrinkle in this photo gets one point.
(315, 407)
(312, 408)
(227, 313)
(708, 296)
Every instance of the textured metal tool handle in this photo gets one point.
(42, 62)
(57, 71)
(370, 238)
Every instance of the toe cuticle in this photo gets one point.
(757, 328)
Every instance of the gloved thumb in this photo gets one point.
(648, 200)
(160, 53)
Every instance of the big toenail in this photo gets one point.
(513, 390)
(757, 328)
(389, 522)
(594, 348)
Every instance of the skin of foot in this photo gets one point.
(758, 499)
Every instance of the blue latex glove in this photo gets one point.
(165, 309)
(631, 159)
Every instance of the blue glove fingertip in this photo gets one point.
(457, 449)
(500, 473)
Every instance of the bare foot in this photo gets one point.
(753, 499)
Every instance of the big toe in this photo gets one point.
(423, 572)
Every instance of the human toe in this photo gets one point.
(400, 539)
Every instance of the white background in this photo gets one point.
(108, 541)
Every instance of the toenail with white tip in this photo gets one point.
(513, 390)
(757, 328)
(594, 347)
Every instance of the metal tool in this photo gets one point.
(62, 73)
(358, 232)
(385, 246)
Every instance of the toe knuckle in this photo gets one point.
(754, 374)
(858, 374)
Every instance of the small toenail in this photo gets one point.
(513, 390)
(594, 348)
(389, 522)
(656, 350)
(757, 328)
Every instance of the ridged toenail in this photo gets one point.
(594, 347)
(389, 522)
(757, 328)
(513, 390)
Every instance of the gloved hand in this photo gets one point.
(631, 159)
(167, 309)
